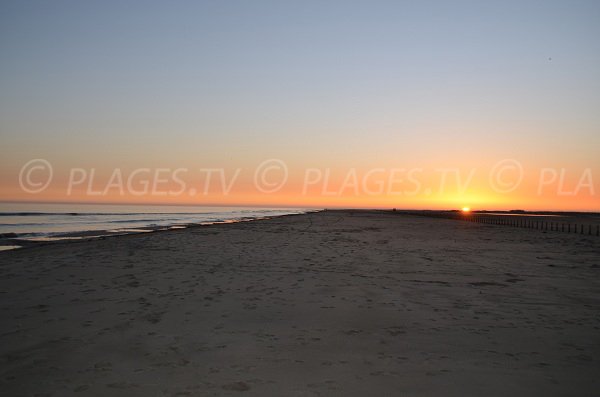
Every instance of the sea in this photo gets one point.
(48, 222)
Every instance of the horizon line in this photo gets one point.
(334, 207)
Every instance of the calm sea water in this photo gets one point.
(46, 220)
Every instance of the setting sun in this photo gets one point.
(466, 209)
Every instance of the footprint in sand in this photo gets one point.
(236, 386)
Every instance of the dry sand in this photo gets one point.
(330, 304)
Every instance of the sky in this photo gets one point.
(342, 103)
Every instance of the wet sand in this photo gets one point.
(335, 303)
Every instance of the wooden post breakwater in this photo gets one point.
(519, 221)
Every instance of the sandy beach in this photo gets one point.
(334, 303)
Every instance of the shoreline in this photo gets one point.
(19, 243)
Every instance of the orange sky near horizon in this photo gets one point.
(480, 188)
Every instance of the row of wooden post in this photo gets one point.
(518, 221)
(529, 223)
